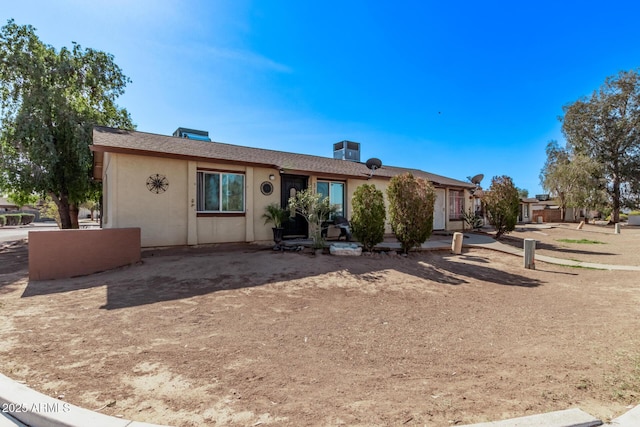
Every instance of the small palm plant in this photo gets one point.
(277, 216)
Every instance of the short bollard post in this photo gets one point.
(579, 227)
(530, 254)
(617, 228)
(456, 243)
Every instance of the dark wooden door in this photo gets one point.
(291, 184)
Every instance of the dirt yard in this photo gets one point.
(242, 335)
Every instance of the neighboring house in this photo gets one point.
(182, 191)
(7, 206)
(527, 207)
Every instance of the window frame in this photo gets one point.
(344, 196)
(200, 193)
(456, 195)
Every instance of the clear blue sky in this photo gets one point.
(455, 88)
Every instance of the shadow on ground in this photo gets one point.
(187, 272)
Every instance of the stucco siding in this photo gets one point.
(221, 229)
(170, 218)
(162, 217)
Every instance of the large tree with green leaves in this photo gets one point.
(49, 102)
(502, 204)
(574, 180)
(606, 128)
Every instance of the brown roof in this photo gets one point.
(133, 142)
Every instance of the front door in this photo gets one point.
(291, 185)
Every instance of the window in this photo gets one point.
(456, 204)
(220, 192)
(335, 192)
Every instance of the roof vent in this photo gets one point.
(347, 150)
(198, 135)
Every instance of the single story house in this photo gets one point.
(183, 191)
(7, 206)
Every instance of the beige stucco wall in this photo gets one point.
(170, 218)
(161, 217)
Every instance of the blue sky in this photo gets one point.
(455, 88)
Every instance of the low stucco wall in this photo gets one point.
(62, 254)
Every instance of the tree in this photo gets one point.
(49, 102)
(606, 128)
(553, 177)
(411, 202)
(367, 221)
(523, 193)
(502, 204)
(316, 209)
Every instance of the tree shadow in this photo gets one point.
(191, 273)
(519, 243)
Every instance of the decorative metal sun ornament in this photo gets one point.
(157, 183)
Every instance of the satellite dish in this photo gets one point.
(477, 179)
(373, 164)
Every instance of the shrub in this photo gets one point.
(13, 219)
(411, 203)
(367, 221)
(502, 203)
(473, 220)
(27, 218)
(316, 209)
(3, 220)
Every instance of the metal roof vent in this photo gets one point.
(198, 135)
(347, 150)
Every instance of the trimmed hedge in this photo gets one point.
(16, 219)
(27, 218)
(13, 219)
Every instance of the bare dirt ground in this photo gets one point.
(242, 335)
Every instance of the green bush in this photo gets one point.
(367, 221)
(411, 203)
(27, 218)
(503, 203)
(3, 220)
(13, 219)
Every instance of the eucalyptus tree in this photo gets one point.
(606, 128)
(49, 102)
(574, 180)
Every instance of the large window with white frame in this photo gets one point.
(456, 204)
(334, 190)
(220, 192)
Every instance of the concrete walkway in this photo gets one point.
(51, 412)
(488, 242)
(485, 241)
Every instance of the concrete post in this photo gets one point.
(617, 228)
(530, 254)
(456, 243)
(579, 227)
